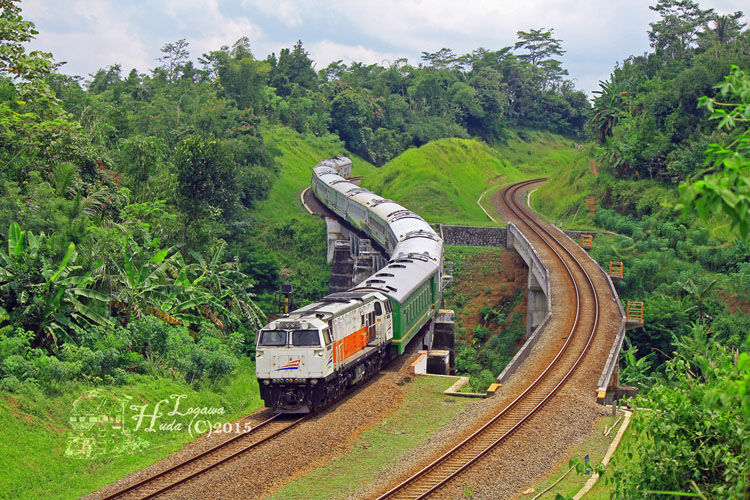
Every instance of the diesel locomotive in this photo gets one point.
(314, 354)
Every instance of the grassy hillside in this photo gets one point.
(44, 457)
(562, 199)
(443, 180)
(297, 154)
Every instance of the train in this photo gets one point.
(310, 357)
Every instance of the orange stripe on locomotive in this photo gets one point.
(353, 343)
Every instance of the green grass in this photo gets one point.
(625, 455)
(298, 154)
(35, 432)
(443, 180)
(424, 410)
(562, 198)
(595, 446)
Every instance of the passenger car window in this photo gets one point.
(272, 338)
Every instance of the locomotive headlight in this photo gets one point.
(266, 382)
(318, 353)
(313, 381)
(258, 354)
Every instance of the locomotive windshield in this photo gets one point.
(272, 338)
(306, 338)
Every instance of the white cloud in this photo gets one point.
(228, 32)
(205, 27)
(327, 51)
(288, 12)
(108, 38)
(92, 35)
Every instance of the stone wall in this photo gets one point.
(472, 235)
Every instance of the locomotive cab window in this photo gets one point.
(272, 338)
(327, 337)
(378, 309)
(305, 338)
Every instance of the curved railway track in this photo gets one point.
(577, 341)
(182, 472)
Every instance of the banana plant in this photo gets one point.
(47, 297)
(636, 370)
(144, 281)
(228, 289)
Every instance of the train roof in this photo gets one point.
(396, 280)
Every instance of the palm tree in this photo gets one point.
(143, 282)
(610, 106)
(724, 29)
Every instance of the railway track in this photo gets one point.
(184, 471)
(536, 395)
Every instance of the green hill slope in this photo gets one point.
(297, 155)
(443, 180)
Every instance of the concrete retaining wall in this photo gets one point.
(576, 235)
(512, 238)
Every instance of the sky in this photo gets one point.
(88, 35)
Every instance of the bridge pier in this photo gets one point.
(444, 337)
(536, 305)
(538, 300)
(353, 257)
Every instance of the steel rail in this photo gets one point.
(151, 479)
(527, 394)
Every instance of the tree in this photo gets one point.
(679, 27)
(228, 289)
(697, 439)
(206, 177)
(350, 114)
(443, 59)
(243, 78)
(141, 157)
(724, 29)
(610, 106)
(143, 284)
(14, 33)
(46, 296)
(294, 67)
(104, 79)
(175, 56)
(725, 186)
(540, 45)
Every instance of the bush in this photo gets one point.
(700, 433)
(111, 355)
